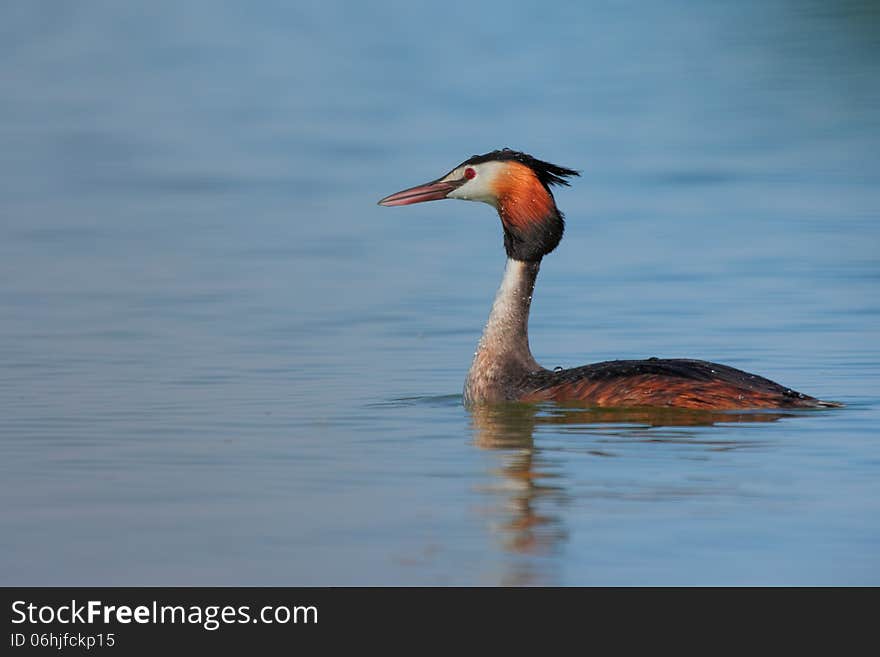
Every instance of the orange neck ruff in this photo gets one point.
(523, 201)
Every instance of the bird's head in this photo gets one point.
(517, 185)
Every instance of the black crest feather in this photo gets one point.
(549, 174)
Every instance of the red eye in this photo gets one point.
(470, 173)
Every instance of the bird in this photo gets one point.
(519, 187)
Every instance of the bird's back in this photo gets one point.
(673, 382)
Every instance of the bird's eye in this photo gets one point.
(470, 173)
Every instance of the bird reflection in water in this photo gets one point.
(525, 477)
(535, 492)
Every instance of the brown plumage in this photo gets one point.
(679, 383)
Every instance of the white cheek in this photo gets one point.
(480, 187)
(474, 190)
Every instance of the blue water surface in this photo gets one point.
(222, 364)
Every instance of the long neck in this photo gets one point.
(503, 356)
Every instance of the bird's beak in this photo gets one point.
(432, 191)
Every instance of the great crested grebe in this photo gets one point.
(518, 185)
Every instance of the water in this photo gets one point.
(222, 363)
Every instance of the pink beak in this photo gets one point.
(432, 191)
